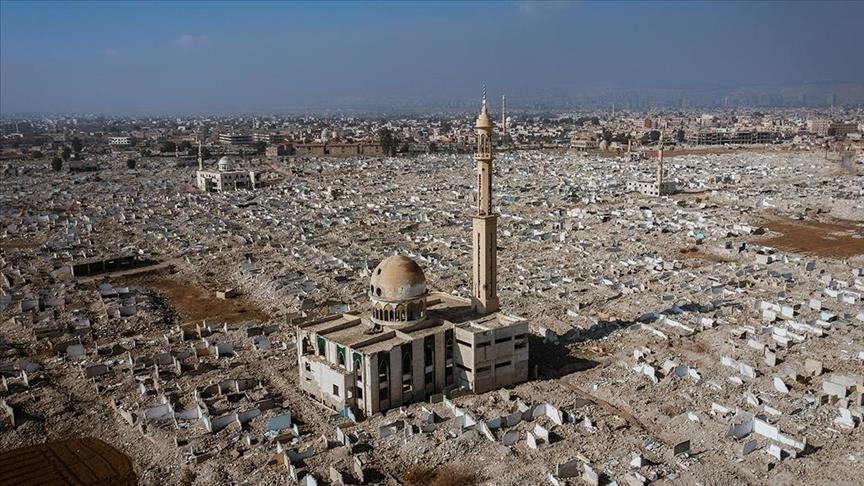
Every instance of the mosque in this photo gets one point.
(658, 187)
(226, 178)
(415, 343)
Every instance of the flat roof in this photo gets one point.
(445, 311)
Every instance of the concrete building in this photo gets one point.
(279, 150)
(269, 138)
(337, 149)
(658, 187)
(235, 139)
(311, 149)
(843, 129)
(120, 141)
(226, 177)
(583, 144)
(413, 343)
(818, 126)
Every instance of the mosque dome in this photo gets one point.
(398, 292)
(397, 278)
(225, 164)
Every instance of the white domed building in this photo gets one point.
(412, 343)
(226, 177)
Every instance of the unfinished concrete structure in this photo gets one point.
(413, 343)
(658, 187)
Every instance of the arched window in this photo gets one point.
(358, 368)
(400, 312)
(340, 356)
(383, 378)
(412, 311)
(406, 361)
(429, 354)
(388, 312)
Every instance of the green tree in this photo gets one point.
(66, 152)
(260, 147)
(388, 141)
(131, 163)
(184, 145)
(77, 146)
(57, 164)
(168, 146)
(679, 135)
(193, 152)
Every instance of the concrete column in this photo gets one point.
(440, 362)
(396, 377)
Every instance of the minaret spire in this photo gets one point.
(503, 119)
(200, 156)
(485, 223)
(660, 162)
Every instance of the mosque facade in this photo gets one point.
(226, 177)
(414, 343)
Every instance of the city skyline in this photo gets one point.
(149, 58)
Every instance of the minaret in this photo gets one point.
(660, 162)
(503, 120)
(485, 296)
(200, 156)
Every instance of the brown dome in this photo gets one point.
(396, 279)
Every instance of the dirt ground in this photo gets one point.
(838, 239)
(695, 253)
(193, 303)
(74, 462)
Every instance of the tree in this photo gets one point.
(184, 145)
(168, 146)
(606, 135)
(654, 135)
(193, 152)
(679, 135)
(145, 152)
(130, 163)
(36, 154)
(77, 146)
(66, 152)
(388, 141)
(57, 164)
(405, 147)
(432, 148)
(260, 147)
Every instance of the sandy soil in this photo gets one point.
(193, 303)
(839, 239)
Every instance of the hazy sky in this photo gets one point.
(201, 57)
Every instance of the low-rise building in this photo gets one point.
(123, 141)
(235, 139)
(226, 178)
